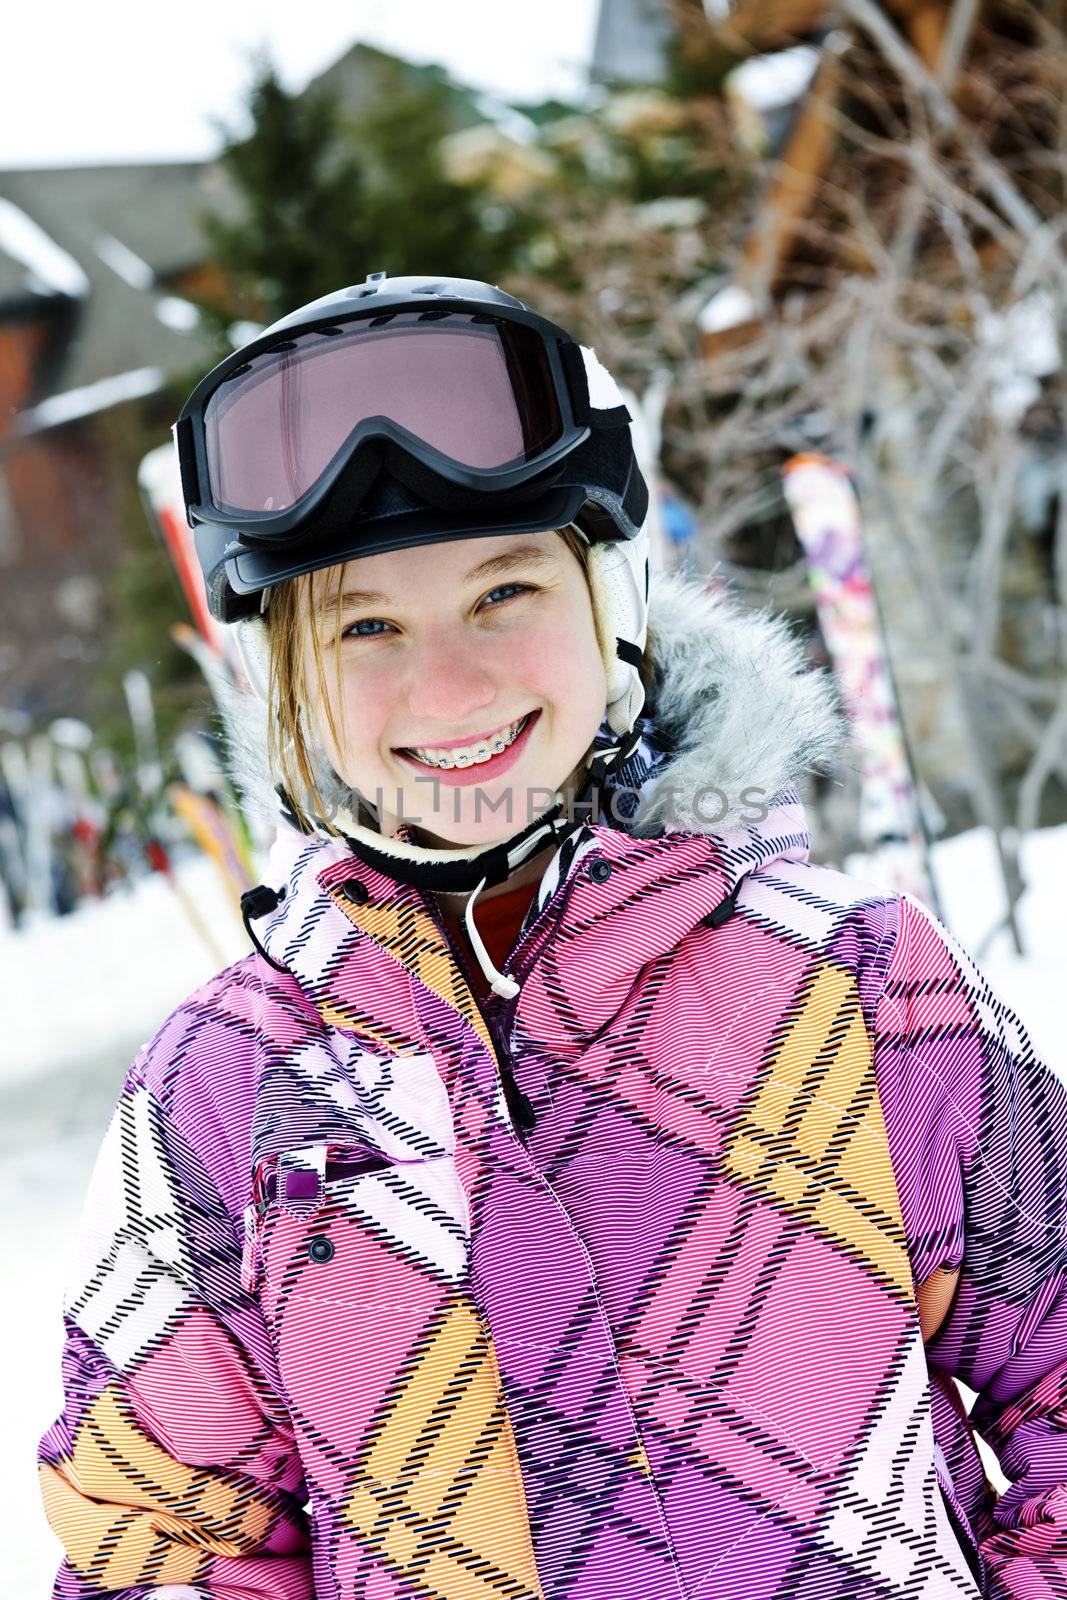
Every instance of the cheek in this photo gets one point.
(561, 658)
(368, 704)
(359, 703)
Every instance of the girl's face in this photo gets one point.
(449, 646)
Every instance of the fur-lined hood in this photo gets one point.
(734, 700)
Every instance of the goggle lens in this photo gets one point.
(479, 391)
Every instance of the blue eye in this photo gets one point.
(350, 632)
(353, 629)
(501, 587)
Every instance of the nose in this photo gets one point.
(447, 681)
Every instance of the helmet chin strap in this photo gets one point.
(458, 869)
(455, 869)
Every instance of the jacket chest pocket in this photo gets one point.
(360, 1264)
(391, 1139)
(348, 1226)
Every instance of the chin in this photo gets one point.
(488, 826)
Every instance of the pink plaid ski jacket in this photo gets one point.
(610, 1295)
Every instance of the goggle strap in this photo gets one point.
(599, 461)
(577, 382)
(613, 417)
(183, 439)
(635, 500)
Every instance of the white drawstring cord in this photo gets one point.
(498, 981)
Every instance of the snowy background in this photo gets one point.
(87, 990)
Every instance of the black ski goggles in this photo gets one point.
(481, 401)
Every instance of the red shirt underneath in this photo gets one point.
(498, 921)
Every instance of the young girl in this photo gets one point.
(576, 1193)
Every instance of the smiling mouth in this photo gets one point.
(477, 754)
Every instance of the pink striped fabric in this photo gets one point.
(338, 1327)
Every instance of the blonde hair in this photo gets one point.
(290, 623)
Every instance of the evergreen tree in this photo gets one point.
(419, 218)
(300, 220)
(323, 194)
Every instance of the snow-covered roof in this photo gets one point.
(107, 239)
(126, 262)
(49, 268)
(730, 307)
(76, 403)
(149, 207)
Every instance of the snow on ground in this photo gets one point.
(969, 884)
(86, 991)
(97, 983)
(1032, 984)
(82, 993)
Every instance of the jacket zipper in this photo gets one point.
(520, 1110)
(500, 1012)
(530, 947)
(523, 1116)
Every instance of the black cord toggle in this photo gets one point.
(725, 908)
(259, 902)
